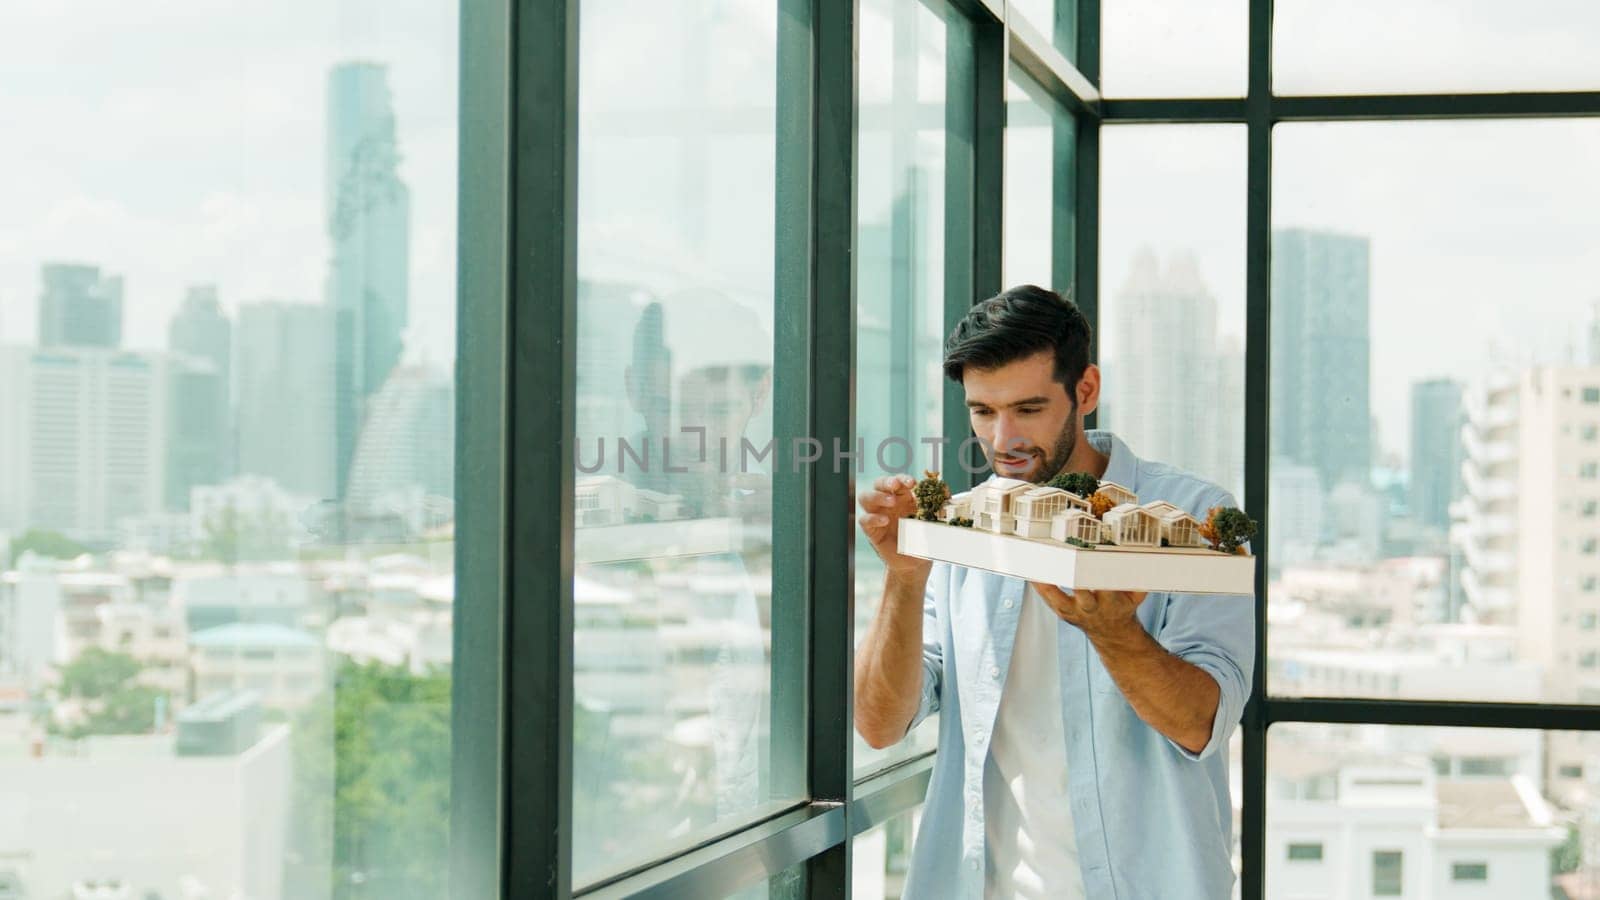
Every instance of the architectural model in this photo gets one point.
(1078, 531)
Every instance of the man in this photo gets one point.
(1082, 735)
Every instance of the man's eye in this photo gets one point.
(982, 412)
(1028, 410)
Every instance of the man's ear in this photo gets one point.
(1089, 390)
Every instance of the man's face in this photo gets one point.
(1026, 419)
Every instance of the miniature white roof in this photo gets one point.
(1112, 484)
(1160, 507)
(1043, 491)
(1127, 509)
(1003, 485)
(1176, 515)
(1075, 512)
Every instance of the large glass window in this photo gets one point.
(226, 478)
(900, 273)
(1173, 48)
(1039, 214)
(1055, 20)
(1172, 250)
(1427, 482)
(1414, 46)
(673, 585)
(882, 858)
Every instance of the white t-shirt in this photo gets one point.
(1027, 811)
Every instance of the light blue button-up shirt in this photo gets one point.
(1153, 820)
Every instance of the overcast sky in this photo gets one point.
(181, 141)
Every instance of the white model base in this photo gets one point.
(1185, 570)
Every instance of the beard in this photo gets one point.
(1053, 462)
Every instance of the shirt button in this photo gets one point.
(974, 864)
(994, 671)
(1010, 603)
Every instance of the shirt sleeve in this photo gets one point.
(1217, 634)
(932, 648)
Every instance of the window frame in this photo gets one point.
(512, 700)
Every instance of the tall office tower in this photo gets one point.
(1530, 529)
(86, 446)
(1436, 421)
(368, 212)
(408, 443)
(79, 307)
(202, 331)
(1486, 530)
(286, 400)
(197, 428)
(1165, 375)
(1321, 353)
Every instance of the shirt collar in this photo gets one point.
(1122, 466)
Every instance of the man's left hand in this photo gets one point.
(1098, 613)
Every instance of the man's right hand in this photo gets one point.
(882, 508)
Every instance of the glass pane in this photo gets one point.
(1039, 218)
(1358, 811)
(1172, 251)
(883, 858)
(226, 582)
(675, 313)
(1433, 457)
(1056, 20)
(1174, 48)
(899, 277)
(790, 884)
(1415, 46)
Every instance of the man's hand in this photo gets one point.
(1172, 696)
(882, 508)
(1100, 614)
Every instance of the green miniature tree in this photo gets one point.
(932, 494)
(1227, 528)
(1081, 483)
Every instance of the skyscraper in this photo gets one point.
(79, 307)
(85, 442)
(408, 444)
(1166, 373)
(201, 331)
(197, 428)
(286, 395)
(1436, 421)
(368, 212)
(1321, 353)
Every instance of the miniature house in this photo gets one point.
(1037, 507)
(1132, 526)
(1179, 529)
(991, 503)
(1077, 525)
(1119, 495)
(957, 507)
(1160, 508)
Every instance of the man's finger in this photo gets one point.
(1063, 603)
(893, 484)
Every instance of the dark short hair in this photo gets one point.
(1016, 324)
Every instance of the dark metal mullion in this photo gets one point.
(962, 153)
(830, 766)
(1199, 110)
(987, 246)
(787, 743)
(1258, 361)
(726, 866)
(1430, 713)
(481, 551)
(540, 384)
(890, 794)
(1540, 104)
(1085, 280)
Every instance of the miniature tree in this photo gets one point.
(1100, 504)
(1227, 528)
(932, 494)
(1081, 483)
(961, 522)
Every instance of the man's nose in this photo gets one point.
(1007, 438)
